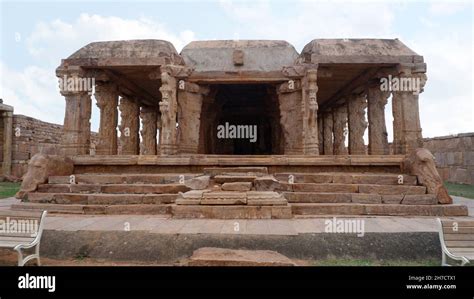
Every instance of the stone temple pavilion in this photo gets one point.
(162, 148)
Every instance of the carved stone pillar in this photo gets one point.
(291, 117)
(129, 126)
(310, 119)
(320, 134)
(190, 97)
(356, 105)
(106, 94)
(406, 114)
(7, 142)
(376, 101)
(328, 133)
(397, 123)
(76, 128)
(339, 129)
(148, 116)
(168, 109)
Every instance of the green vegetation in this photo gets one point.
(364, 262)
(460, 190)
(8, 189)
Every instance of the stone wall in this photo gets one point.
(454, 157)
(32, 136)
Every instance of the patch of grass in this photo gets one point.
(460, 190)
(8, 189)
(364, 262)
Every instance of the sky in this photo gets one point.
(36, 35)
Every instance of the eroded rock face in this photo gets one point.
(40, 167)
(421, 163)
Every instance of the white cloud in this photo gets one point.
(46, 36)
(33, 91)
(322, 19)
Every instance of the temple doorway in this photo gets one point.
(241, 119)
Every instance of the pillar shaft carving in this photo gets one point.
(291, 118)
(406, 115)
(310, 112)
(129, 126)
(168, 109)
(328, 133)
(339, 129)
(357, 123)
(376, 101)
(190, 100)
(148, 116)
(106, 95)
(76, 127)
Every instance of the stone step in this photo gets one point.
(347, 178)
(166, 178)
(324, 197)
(353, 188)
(251, 198)
(113, 188)
(108, 199)
(210, 256)
(138, 209)
(220, 179)
(231, 212)
(377, 209)
(255, 171)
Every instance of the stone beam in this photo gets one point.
(142, 94)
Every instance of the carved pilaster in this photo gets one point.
(190, 97)
(328, 133)
(291, 117)
(106, 95)
(129, 126)
(376, 101)
(148, 116)
(339, 129)
(310, 112)
(357, 123)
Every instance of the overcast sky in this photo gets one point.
(36, 35)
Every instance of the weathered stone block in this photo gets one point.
(198, 183)
(266, 183)
(426, 199)
(208, 256)
(237, 186)
(366, 198)
(392, 199)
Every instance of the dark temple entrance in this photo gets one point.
(241, 119)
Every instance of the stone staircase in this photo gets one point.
(229, 188)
